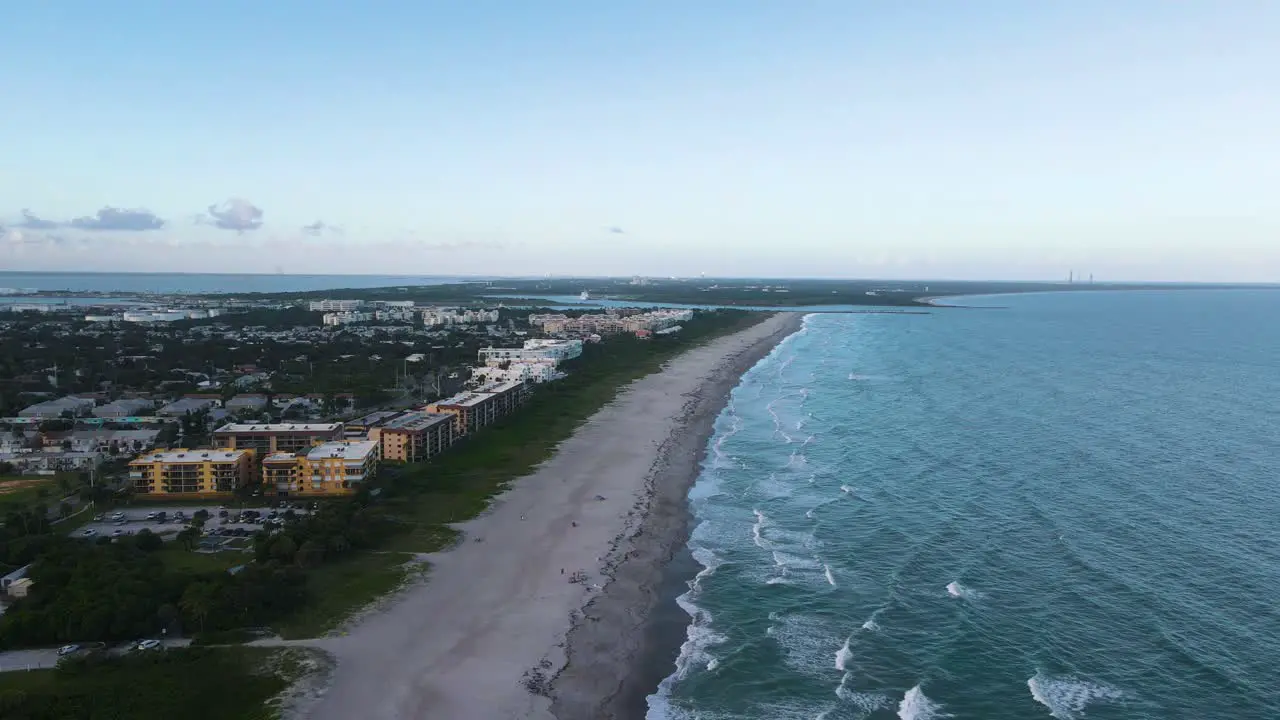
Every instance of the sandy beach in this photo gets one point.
(539, 611)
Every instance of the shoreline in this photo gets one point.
(616, 654)
(502, 629)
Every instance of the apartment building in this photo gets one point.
(267, 438)
(191, 473)
(475, 409)
(535, 350)
(413, 436)
(331, 468)
(335, 305)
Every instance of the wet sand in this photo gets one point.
(540, 611)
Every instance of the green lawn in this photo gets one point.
(181, 560)
(18, 492)
(193, 684)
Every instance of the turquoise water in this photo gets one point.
(1066, 508)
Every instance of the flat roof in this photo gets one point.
(191, 456)
(278, 427)
(417, 421)
(346, 450)
(374, 418)
(468, 399)
(280, 457)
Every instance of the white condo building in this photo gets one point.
(551, 352)
(336, 305)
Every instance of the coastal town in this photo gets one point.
(112, 438)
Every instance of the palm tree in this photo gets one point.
(198, 600)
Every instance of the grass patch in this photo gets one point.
(21, 492)
(340, 588)
(181, 560)
(195, 684)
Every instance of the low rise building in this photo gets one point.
(413, 436)
(75, 406)
(191, 473)
(189, 404)
(128, 407)
(247, 402)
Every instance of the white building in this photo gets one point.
(335, 305)
(516, 372)
(434, 317)
(346, 318)
(551, 352)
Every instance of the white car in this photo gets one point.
(148, 645)
(88, 532)
(67, 650)
(117, 516)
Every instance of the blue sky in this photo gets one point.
(1135, 140)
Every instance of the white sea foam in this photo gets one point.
(709, 562)
(826, 570)
(956, 590)
(844, 655)
(863, 703)
(757, 529)
(871, 625)
(1067, 697)
(916, 706)
(700, 637)
(846, 489)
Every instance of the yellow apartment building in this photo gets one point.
(191, 473)
(332, 468)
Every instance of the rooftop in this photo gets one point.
(279, 427)
(467, 399)
(417, 421)
(345, 450)
(182, 455)
(276, 457)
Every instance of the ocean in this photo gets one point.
(1063, 508)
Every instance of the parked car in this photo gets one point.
(88, 532)
(117, 515)
(153, 515)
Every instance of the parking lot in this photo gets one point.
(168, 520)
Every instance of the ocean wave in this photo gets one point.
(757, 530)
(1067, 697)
(826, 570)
(916, 705)
(846, 489)
(844, 655)
(871, 625)
(862, 703)
(956, 590)
(699, 638)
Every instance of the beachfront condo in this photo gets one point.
(332, 468)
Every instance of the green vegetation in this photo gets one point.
(337, 588)
(195, 684)
(20, 493)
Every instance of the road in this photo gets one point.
(43, 658)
